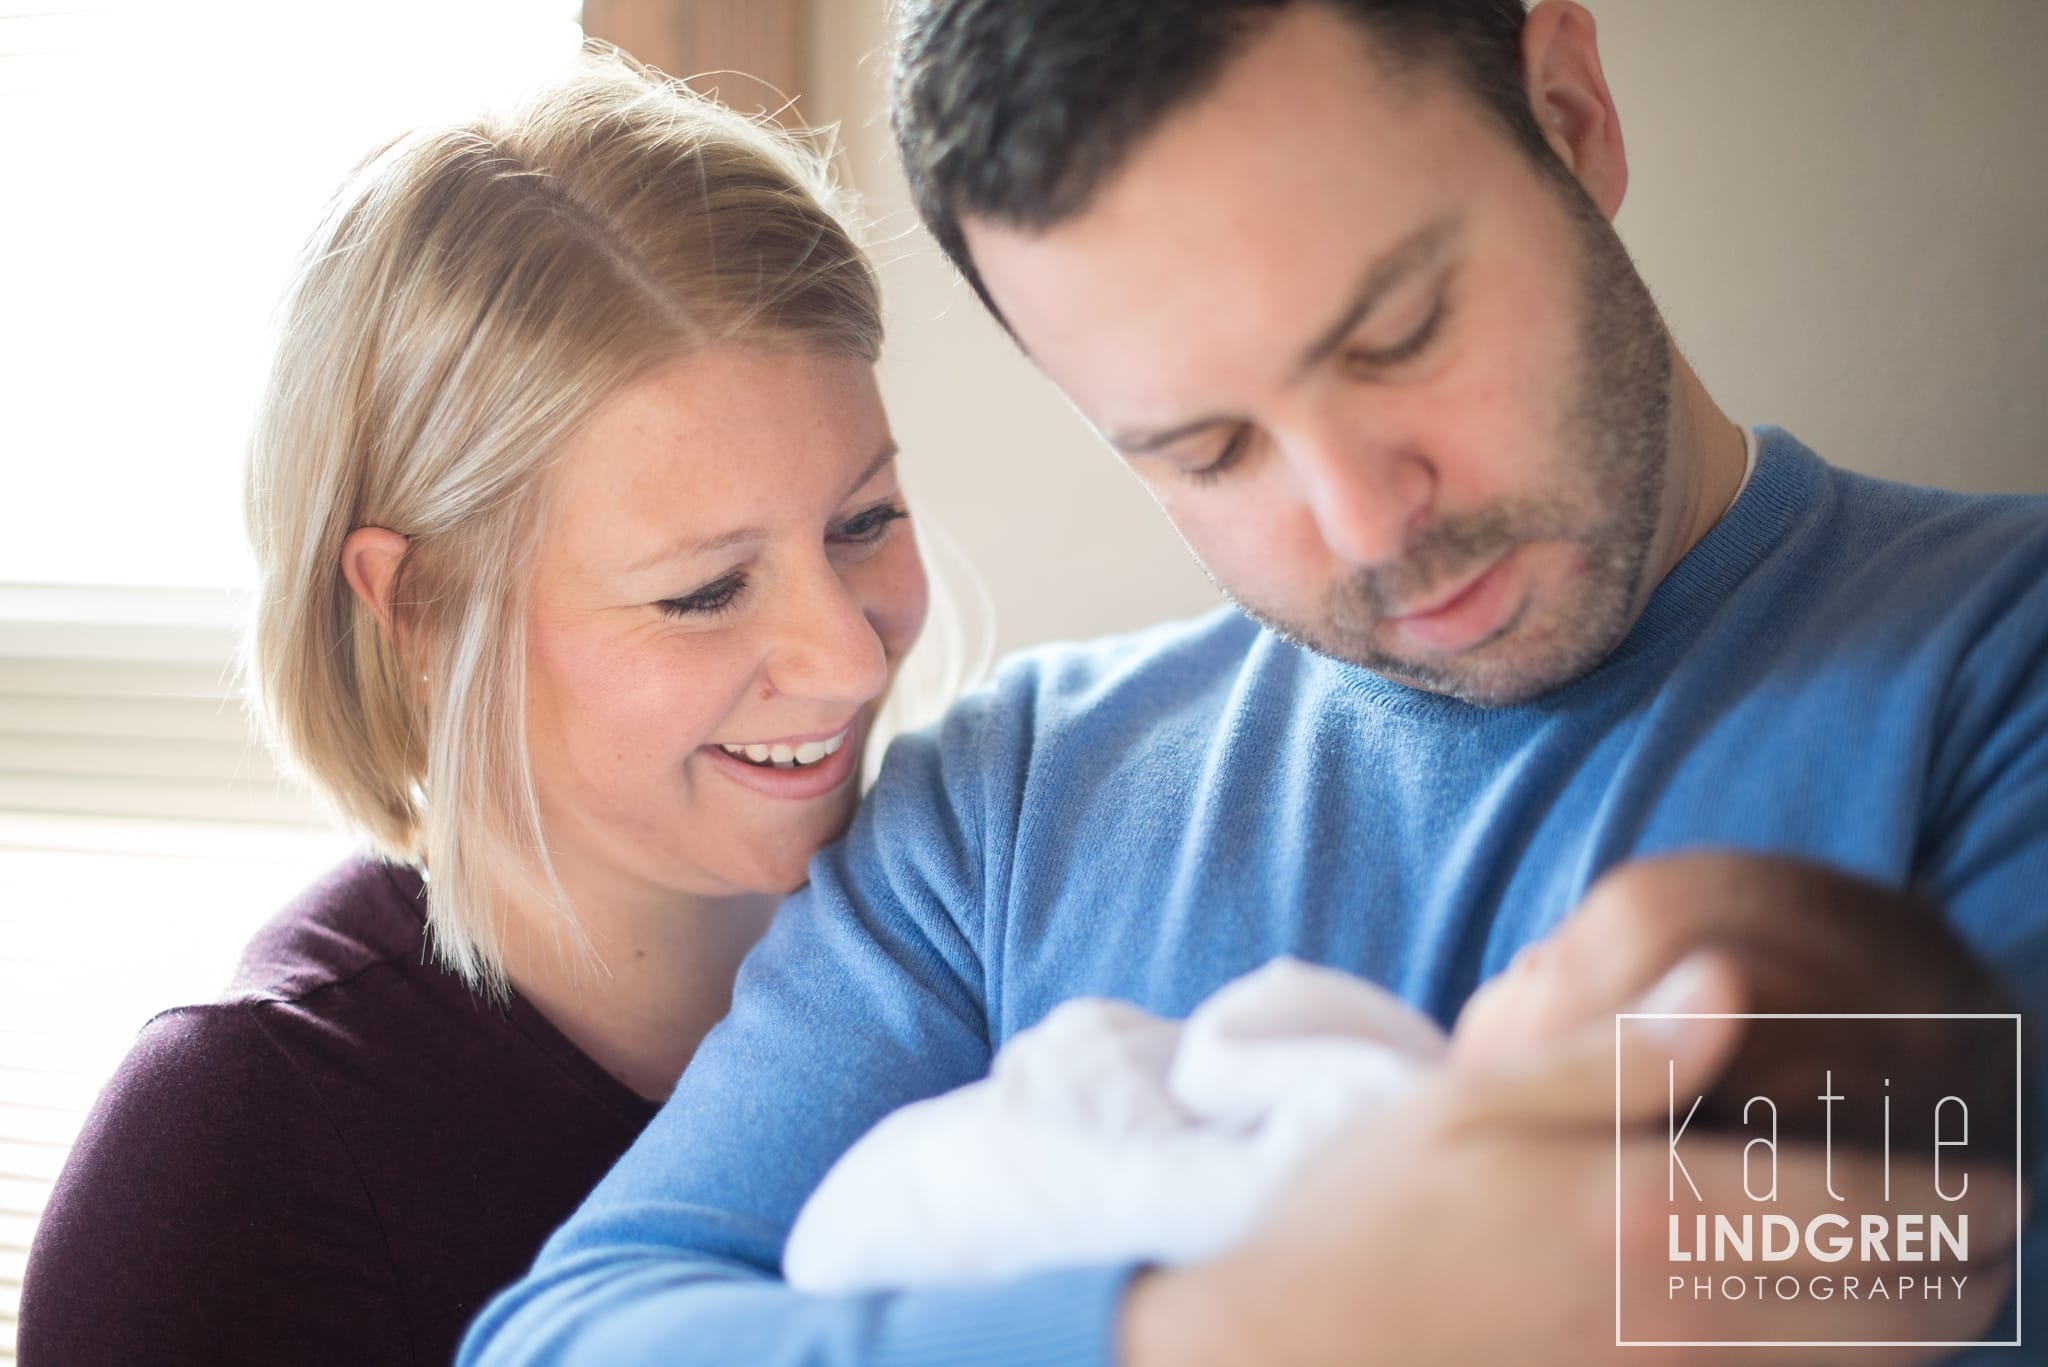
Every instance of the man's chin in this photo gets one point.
(1495, 673)
(1476, 683)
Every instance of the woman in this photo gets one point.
(583, 572)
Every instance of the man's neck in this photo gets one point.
(1708, 454)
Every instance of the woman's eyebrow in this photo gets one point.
(686, 547)
(888, 453)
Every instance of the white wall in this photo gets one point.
(1841, 204)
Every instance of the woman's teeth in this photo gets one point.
(786, 756)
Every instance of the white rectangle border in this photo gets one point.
(2019, 1148)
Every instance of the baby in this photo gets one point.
(1107, 1134)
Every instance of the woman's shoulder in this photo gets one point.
(206, 1190)
(361, 915)
(211, 1197)
(321, 1152)
(226, 1083)
(204, 1094)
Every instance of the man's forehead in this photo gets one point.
(1143, 322)
(1302, 158)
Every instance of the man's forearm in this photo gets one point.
(1188, 1317)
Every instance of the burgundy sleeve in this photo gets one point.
(210, 1215)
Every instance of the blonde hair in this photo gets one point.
(473, 294)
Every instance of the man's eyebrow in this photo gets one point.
(1386, 271)
(1398, 262)
(691, 546)
(1145, 443)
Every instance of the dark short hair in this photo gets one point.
(1017, 111)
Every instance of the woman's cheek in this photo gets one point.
(896, 593)
(706, 678)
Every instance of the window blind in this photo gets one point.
(144, 833)
(165, 163)
(103, 923)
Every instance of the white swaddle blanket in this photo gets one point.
(1107, 1134)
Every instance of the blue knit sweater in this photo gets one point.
(1843, 669)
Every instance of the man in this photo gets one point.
(1338, 280)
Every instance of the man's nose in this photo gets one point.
(1369, 497)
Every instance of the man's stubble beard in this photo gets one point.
(1619, 422)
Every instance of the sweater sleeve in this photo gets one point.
(209, 1215)
(1984, 844)
(867, 993)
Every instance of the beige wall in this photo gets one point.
(1843, 207)
(1841, 204)
(1067, 540)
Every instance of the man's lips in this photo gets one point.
(1467, 613)
(1459, 588)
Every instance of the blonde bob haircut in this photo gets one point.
(472, 295)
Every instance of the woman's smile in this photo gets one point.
(800, 752)
(793, 768)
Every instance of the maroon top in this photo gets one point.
(336, 1163)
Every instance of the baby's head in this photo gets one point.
(1800, 938)
(1635, 925)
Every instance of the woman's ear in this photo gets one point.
(370, 557)
(1569, 96)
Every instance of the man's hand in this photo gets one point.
(1858, 959)
(1477, 1223)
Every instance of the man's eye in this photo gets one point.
(1409, 347)
(870, 526)
(1232, 452)
(709, 601)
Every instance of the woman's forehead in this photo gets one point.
(711, 450)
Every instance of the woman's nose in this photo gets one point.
(825, 646)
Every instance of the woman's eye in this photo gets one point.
(869, 526)
(708, 601)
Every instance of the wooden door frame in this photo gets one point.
(748, 52)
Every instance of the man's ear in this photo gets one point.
(1569, 97)
(370, 557)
